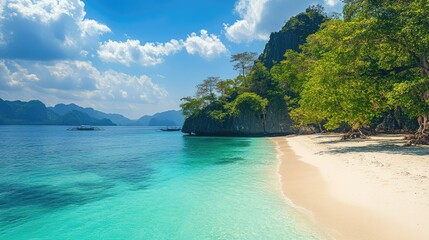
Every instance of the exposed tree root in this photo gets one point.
(417, 139)
(354, 135)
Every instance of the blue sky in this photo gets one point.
(132, 57)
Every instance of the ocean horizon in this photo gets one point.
(141, 183)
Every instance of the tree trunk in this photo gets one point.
(424, 65)
(425, 73)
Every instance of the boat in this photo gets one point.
(85, 128)
(171, 129)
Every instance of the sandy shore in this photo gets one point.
(371, 189)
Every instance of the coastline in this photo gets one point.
(359, 189)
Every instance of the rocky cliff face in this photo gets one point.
(276, 121)
(292, 35)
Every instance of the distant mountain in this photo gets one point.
(118, 119)
(36, 113)
(168, 118)
(17, 112)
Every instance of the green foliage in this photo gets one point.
(352, 67)
(248, 102)
(219, 115)
(227, 88)
(398, 29)
(192, 106)
(291, 74)
(261, 82)
(409, 96)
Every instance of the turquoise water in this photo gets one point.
(140, 183)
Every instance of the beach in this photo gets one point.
(358, 189)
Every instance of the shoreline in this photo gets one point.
(333, 187)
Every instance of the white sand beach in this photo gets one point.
(358, 189)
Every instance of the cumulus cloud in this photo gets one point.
(258, 18)
(246, 28)
(117, 85)
(132, 51)
(78, 81)
(150, 54)
(46, 29)
(205, 45)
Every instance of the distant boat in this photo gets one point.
(171, 129)
(85, 128)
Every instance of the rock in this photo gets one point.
(275, 122)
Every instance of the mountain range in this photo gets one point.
(35, 112)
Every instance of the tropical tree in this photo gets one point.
(208, 87)
(243, 62)
(192, 106)
(398, 31)
(261, 82)
(336, 89)
(248, 103)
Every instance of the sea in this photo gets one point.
(141, 183)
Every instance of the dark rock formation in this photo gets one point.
(292, 35)
(276, 121)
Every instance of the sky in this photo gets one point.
(132, 57)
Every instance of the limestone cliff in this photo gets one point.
(276, 121)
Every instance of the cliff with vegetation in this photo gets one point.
(252, 104)
(365, 72)
(292, 35)
(275, 121)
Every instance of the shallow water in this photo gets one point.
(140, 183)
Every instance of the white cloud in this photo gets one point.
(57, 29)
(246, 28)
(150, 54)
(258, 18)
(92, 28)
(16, 79)
(6, 80)
(79, 82)
(205, 45)
(22, 74)
(132, 51)
(117, 85)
